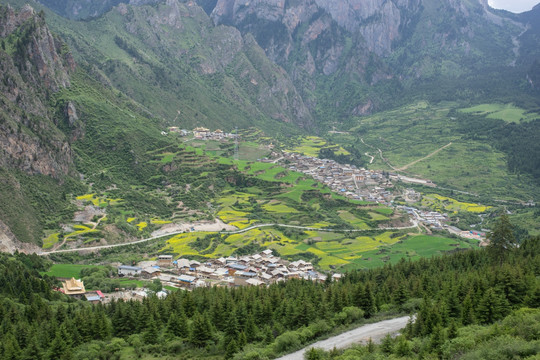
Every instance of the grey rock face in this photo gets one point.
(29, 139)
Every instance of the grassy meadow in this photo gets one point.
(412, 132)
(506, 112)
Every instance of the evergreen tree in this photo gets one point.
(232, 328)
(492, 307)
(151, 334)
(252, 331)
(467, 312)
(173, 325)
(58, 348)
(242, 340)
(402, 348)
(452, 330)
(9, 348)
(401, 295)
(387, 344)
(501, 239)
(437, 339)
(232, 349)
(200, 332)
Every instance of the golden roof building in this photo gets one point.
(73, 287)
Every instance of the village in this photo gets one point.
(352, 182)
(260, 269)
(348, 180)
(201, 133)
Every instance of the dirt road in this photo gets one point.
(375, 331)
(424, 158)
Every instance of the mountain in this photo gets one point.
(57, 124)
(336, 60)
(170, 58)
(354, 57)
(34, 65)
(90, 97)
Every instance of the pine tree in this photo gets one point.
(242, 340)
(58, 348)
(492, 307)
(401, 295)
(314, 354)
(251, 331)
(232, 349)
(367, 302)
(402, 348)
(173, 325)
(501, 239)
(232, 329)
(268, 335)
(437, 339)
(452, 330)
(200, 332)
(9, 348)
(151, 334)
(32, 351)
(467, 312)
(370, 346)
(386, 344)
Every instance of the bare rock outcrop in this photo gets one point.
(29, 138)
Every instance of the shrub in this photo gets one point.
(286, 341)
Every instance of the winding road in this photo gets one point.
(93, 248)
(376, 332)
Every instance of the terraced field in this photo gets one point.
(329, 250)
(445, 204)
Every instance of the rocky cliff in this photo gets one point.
(357, 46)
(33, 66)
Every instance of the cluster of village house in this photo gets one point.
(354, 183)
(254, 270)
(202, 133)
(433, 219)
(367, 185)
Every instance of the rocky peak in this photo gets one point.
(32, 64)
(11, 20)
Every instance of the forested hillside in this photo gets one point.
(452, 296)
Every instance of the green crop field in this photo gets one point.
(68, 270)
(410, 248)
(412, 132)
(446, 204)
(506, 112)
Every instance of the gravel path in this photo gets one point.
(375, 331)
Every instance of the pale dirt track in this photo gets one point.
(375, 331)
(424, 158)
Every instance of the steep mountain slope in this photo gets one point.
(57, 122)
(170, 58)
(528, 49)
(34, 152)
(347, 58)
(33, 64)
(84, 9)
(354, 57)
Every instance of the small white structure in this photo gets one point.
(125, 270)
